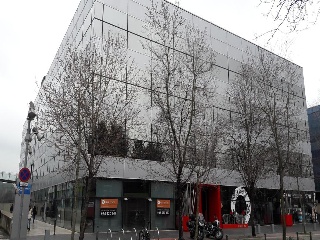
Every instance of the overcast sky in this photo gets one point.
(31, 32)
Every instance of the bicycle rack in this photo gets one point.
(122, 233)
(109, 231)
(135, 232)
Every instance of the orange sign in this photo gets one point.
(109, 203)
(162, 203)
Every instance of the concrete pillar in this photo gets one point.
(272, 228)
(46, 234)
(258, 229)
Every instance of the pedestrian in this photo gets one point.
(42, 212)
(34, 213)
(29, 218)
(11, 208)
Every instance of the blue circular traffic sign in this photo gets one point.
(24, 174)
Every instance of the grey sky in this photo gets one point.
(31, 32)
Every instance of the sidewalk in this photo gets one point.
(38, 229)
(37, 232)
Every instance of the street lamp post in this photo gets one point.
(19, 225)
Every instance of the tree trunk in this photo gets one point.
(252, 195)
(85, 204)
(75, 206)
(180, 208)
(282, 212)
(77, 183)
(303, 213)
(197, 210)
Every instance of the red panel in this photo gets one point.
(185, 219)
(214, 202)
(289, 221)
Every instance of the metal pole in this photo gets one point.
(54, 226)
(19, 226)
(27, 140)
(97, 233)
(135, 232)
(158, 233)
(109, 231)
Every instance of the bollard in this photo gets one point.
(265, 236)
(97, 233)
(314, 226)
(310, 235)
(227, 237)
(46, 234)
(258, 228)
(297, 235)
(272, 228)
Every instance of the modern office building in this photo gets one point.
(128, 197)
(314, 128)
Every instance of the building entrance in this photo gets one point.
(209, 202)
(136, 207)
(136, 213)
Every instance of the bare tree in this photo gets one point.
(181, 68)
(278, 101)
(88, 108)
(206, 147)
(292, 15)
(246, 134)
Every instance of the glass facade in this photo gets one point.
(314, 128)
(137, 204)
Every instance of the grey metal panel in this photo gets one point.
(108, 188)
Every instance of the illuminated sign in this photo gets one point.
(108, 212)
(109, 203)
(163, 207)
(163, 203)
(108, 207)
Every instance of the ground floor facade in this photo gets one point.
(130, 204)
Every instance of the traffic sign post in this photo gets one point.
(24, 174)
(23, 184)
(22, 199)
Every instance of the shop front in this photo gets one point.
(139, 204)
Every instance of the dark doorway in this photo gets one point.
(136, 213)
(136, 207)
